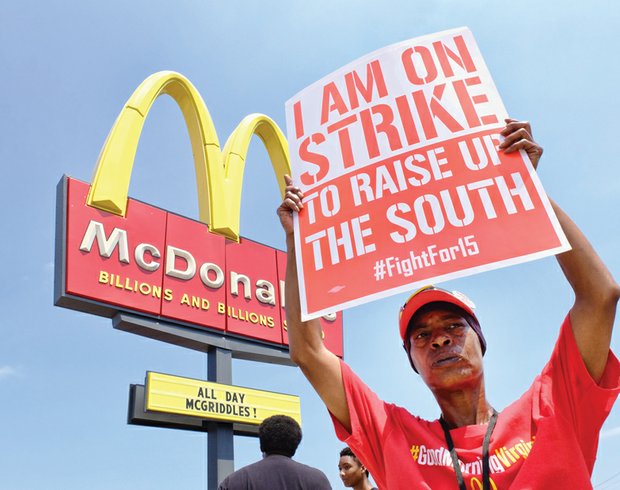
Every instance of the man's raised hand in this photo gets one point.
(291, 203)
(518, 136)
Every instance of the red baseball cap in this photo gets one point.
(430, 294)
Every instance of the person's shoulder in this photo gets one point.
(404, 416)
(313, 477)
(310, 470)
(291, 462)
(243, 474)
(236, 479)
(307, 467)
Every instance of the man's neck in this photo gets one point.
(464, 407)
(266, 455)
(363, 485)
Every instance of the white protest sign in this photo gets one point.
(397, 156)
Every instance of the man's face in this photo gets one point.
(445, 350)
(351, 471)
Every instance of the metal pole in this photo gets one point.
(220, 449)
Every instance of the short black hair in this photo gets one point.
(346, 451)
(279, 434)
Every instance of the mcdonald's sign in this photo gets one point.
(116, 254)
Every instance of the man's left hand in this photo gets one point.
(518, 136)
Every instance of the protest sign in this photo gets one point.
(396, 154)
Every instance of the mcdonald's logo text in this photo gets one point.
(166, 266)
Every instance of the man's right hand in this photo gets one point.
(291, 203)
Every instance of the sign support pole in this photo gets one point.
(220, 449)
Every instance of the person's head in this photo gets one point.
(352, 471)
(441, 336)
(279, 434)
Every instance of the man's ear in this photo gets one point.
(409, 357)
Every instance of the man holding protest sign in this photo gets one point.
(548, 438)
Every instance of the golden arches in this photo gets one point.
(219, 175)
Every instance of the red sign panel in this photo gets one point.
(166, 266)
(195, 275)
(404, 185)
(101, 250)
(253, 303)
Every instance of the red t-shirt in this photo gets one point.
(547, 439)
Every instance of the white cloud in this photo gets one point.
(7, 371)
(610, 433)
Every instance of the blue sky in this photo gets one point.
(67, 69)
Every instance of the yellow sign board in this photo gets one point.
(187, 396)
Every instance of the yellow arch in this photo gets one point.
(219, 175)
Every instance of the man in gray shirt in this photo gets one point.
(279, 437)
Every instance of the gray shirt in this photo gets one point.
(276, 472)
